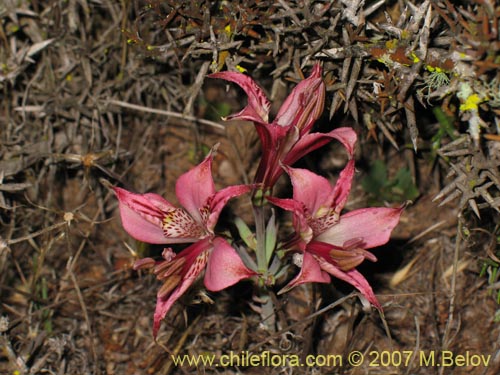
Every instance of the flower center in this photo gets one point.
(178, 223)
(320, 224)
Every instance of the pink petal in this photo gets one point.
(372, 225)
(142, 215)
(194, 187)
(342, 188)
(304, 104)
(274, 139)
(310, 272)
(346, 136)
(180, 227)
(219, 200)
(300, 218)
(196, 256)
(225, 267)
(311, 142)
(310, 189)
(354, 278)
(258, 106)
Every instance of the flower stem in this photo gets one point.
(267, 312)
(260, 237)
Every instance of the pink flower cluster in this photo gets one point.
(326, 242)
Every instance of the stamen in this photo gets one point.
(350, 263)
(353, 243)
(351, 256)
(144, 263)
(340, 254)
(174, 269)
(165, 266)
(169, 285)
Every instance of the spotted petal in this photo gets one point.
(196, 258)
(180, 227)
(301, 219)
(195, 187)
(342, 188)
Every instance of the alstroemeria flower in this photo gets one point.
(331, 243)
(287, 138)
(150, 218)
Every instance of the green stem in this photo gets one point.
(267, 305)
(260, 237)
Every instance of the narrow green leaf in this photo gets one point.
(245, 233)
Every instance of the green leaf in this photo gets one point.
(245, 233)
(405, 185)
(376, 179)
(382, 189)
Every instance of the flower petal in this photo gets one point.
(342, 188)
(219, 200)
(196, 258)
(304, 104)
(372, 225)
(311, 142)
(354, 278)
(300, 218)
(225, 267)
(142, 215)
(194, 187)
(258, 105)
(310, 272)
(310, 189)
(180, 227)
(275, 141)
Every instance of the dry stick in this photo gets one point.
(426, 231)
(37, 233)
(417, 346)
(166, 113)
(12, 358)
(195, 89)
(85, 314)
(451, 309)
(123, 60)
(386, 328)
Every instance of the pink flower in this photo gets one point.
(331, 243)
(287, 138)
(150, 218)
